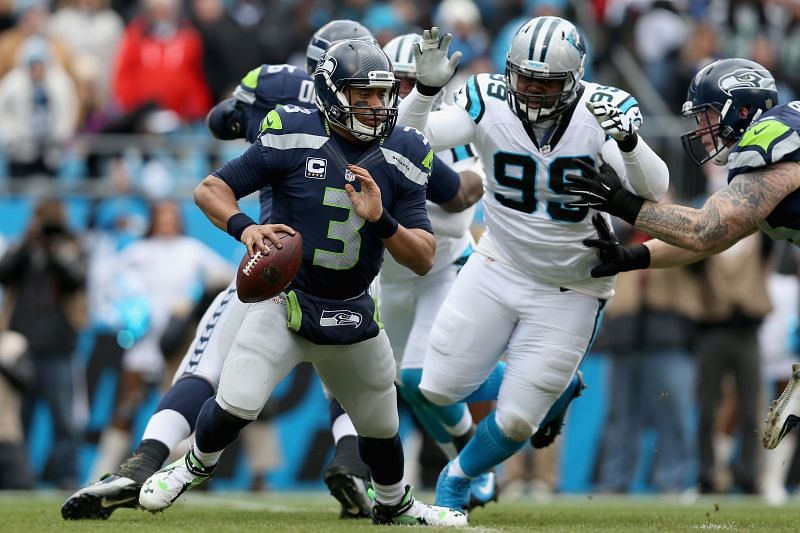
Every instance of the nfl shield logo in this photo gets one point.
(349, 176)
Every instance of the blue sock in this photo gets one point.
(449, 415)
(187, 397)
(216, 428)
(488, 448)
(489, 388)
(425, 417)
(561, 403)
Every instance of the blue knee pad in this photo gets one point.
(433, 418)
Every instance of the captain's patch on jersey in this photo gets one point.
(315, 168)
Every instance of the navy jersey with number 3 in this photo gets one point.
(306, 166)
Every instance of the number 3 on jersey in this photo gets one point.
(519, 171)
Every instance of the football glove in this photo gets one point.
(434, 69)
(613, 121)
(602, 190)
(615, 258)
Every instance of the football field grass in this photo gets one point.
(316, 512)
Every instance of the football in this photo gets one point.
(263, 276)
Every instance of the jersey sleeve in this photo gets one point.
(413, 159)
(770, 140)
(261, 164)
(444, 182)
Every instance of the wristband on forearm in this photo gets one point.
(384, 227)
(628, 143)
(639, 257)
(626, 206)
(426, 90)
(237, 224)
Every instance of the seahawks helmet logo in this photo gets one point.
(746, 79)
(327, 66)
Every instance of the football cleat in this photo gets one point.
(100, 499)
(165, 486)
(347, 478)
(784, 413)
(482, 490)
(546, 435)
(411, 512)
(452, 491)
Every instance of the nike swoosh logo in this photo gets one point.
(758, 131)
(106, 503)
(486, 487)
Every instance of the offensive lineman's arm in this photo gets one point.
(727, 216)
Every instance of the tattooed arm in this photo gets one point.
(727, 215)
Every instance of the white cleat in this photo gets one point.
(165, 486)
(412, 512)
(784, 413)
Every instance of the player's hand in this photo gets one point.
(613, 121)
(602, 190)
(366, 203)
(256, 237)
(615, 258)
(434, 68)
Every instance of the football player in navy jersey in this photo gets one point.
(353, 185)
(260, 91)
(739, 124)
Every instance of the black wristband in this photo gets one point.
(237, 224)
(640, 257)
(625, 205)
(425, 90)
(628, 143)
(384, 227)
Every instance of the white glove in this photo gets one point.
(613, 121)
(434, 69)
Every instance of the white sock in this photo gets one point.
(167, 426)
(455, 469)
(463, 425)
(207, 459)
(343, 427)
(389, 494)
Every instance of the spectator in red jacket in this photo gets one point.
(160, 61)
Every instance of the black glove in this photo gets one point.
(615, 258)
(603, 191)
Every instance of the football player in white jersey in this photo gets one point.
(527, 290)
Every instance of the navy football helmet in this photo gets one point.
(739, 90)
(336, 30)
(352, 65)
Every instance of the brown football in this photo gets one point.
(263, 276)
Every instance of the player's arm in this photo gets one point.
(453, 191)
(412, 247)
(446, 128)
(619, 115)
(727, 215)
(218, 194)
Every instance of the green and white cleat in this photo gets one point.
(165, 486)
(784, 413)
(412, 512)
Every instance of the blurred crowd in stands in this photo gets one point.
(109, 97)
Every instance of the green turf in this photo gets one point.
(316, 512)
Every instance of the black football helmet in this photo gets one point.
(350, 65)
(336, 30)
(739, 90)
